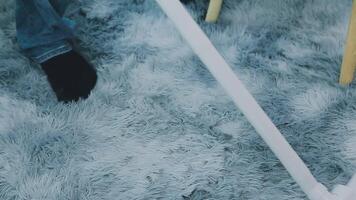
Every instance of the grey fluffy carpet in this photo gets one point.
(158, 126)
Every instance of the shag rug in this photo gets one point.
(158, 126)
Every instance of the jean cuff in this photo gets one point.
(44, 53)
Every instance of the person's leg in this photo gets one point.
(60, 5)
(44, 37)
(41, 32)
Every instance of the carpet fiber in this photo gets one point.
(158, 126)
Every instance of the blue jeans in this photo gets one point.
(42, 32)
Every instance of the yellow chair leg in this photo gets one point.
(213, 10)
(348, 66)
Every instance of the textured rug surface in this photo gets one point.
(158, 126)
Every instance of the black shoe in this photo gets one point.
(70, 76)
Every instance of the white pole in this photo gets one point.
(202, 46)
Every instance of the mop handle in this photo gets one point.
(223, 73)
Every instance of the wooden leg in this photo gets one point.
(213, 11)
(348, 66)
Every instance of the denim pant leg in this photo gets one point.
(41, 31)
